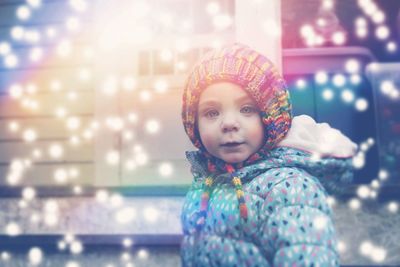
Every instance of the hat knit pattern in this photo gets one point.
(258, 76)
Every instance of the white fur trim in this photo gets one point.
(318, 138)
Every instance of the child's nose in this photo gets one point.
(229, 123)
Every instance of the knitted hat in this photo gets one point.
(251, 70)
(257, 75)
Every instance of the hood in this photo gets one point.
(320, 150)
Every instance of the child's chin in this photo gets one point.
(234, 159)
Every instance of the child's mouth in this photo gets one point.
(232, 144)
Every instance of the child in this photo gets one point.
(257, 197)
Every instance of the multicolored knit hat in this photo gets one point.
(258, 76)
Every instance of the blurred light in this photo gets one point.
(369, 7)
(338, 38)
(166, 55)
(128, 135)
(213, 8)
(341, 246)
(127, 242)
(35, 256)
(128, 83)
(28, 193)
(382, 32)
(51, 206)
(272, 28)
(320, 222)
(151, 214)
(130, 165)
(383, 175)
(102, 196)
(51, 219)
(112, 157)
(32, 36)
(60, 112)
(64, 48)
(361, 32)
(152, 126)
(115, 123)
(306, 31)
(352, 66)
(328, 4)
(370, 141)
(73, 123)
(361, 104)
(141, 158)
(125, 215)
(301, 83)
(145, 95)
(143, 254)
(347, 96)
(321, 77)
(78, 5)
(72, 264)
(77, 190)
(76, 247)
(12, 229)
(132, 117)
(378, 254)
(165, 169)
(34, 3)
(125, 256)
(55, 85)
(222, 21)
(391, 47)
(140, 9)
(73, 172)
(5, 256)
(339, 80)
(354, 204)
(23, 12)
(69, 238)
(5, 48)
(366, 248)
(11, 61)
(359, 161)
(361, 22)
(72, 24)
(393, 207)
(331, 201)
(355, 79)
(31, 88)
(51, 32)
(378, 17)
(363, 191)
(161, 86)
(17, 32)
(16, 91)
(56, 151)
(60, 176)
(327, 94)
(29, 135)
(181, 66)
(116, 200)
(13, 126)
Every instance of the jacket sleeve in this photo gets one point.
(296, 223)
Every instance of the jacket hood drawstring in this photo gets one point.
(205, 197)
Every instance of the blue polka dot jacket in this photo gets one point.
(289, 221)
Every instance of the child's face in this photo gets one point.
(229, 122)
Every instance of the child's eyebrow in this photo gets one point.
(209, 103)
(244, 98)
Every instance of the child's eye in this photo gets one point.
(248, 109)
(211, 113)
